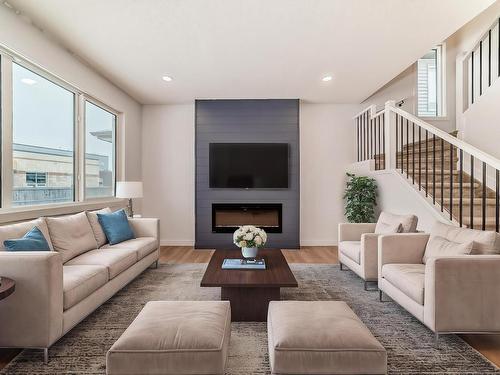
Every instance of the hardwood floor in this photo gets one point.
(488, 345)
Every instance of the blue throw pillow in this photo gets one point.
(115, 226)
(31, 241)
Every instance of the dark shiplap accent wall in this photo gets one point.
(246, 121)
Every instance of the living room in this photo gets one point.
(249, 187)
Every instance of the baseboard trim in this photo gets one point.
(165, 242)
(318, 243)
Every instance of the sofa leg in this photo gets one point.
(366, 285)
(436, 340)
(341, 266)
(381, 296)
(156, 264)
(46, 355)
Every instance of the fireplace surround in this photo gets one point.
(227, 217)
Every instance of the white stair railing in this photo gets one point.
(456, 175)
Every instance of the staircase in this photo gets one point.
(433, 166)
(460, 181)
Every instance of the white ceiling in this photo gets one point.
(250, 48)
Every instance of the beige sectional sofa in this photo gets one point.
(57, 289)
(449, 293)
(358, 242)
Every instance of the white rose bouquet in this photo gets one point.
(249, 236)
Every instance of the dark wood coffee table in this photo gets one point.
(249, 291)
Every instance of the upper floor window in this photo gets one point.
(43, 128)
(430, 80)
(99, 151)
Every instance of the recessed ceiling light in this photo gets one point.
(28, 81)
(327, 78)
(166, 78)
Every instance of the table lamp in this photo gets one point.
(129, 190)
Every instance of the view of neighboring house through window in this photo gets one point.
(428, 84)
(99, 151)
(43, 123)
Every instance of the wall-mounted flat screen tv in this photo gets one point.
(249, 165)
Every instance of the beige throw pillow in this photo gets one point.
(408, 222)
(441, 247)
(71, 235)
(96, 226)
(484, 241)
(385, 228)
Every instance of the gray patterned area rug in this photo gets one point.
(410, 345)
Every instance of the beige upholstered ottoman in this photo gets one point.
(321, 337)
(174, 337)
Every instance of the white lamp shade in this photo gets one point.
(129, 189)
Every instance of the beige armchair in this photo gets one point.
(358, 243)
(449, 293)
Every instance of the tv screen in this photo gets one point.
(249, 165)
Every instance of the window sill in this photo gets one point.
(434, 118)
(14, 214)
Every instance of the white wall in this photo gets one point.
(169, 171)
(327, 147)
(26, 40)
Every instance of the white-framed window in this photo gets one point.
(431, 83)
(58, 144)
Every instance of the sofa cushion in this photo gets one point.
(351, 249)
(79, 282)
(174, 337)
(116, 227)
(71, 235)
(439, 246)
(99, 234)
(484, 241)
(18, 230)
(31, 241)
(116, 260)
(321, 337)
(409, 278)
(143, 245)
(387, 221)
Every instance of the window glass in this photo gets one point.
(99, 151)
(43, 140)
(427, 84)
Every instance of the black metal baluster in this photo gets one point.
(426, 163)
(419, 159)
(413, 153)
(402, 161)
(497, 195)
(461, 192)
(434, 169)
(484, 196)
(471, 208)
(397, 140)
(379, 143)
(383, 138)
(472, 76)
(407, 147)
(451, 181)
(480, 68)
(442, 174)
(489, 57)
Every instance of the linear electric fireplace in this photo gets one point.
(227, 217)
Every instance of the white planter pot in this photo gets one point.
(249, 252)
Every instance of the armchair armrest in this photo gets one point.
(462, 293)
(32, 316)
(145, 227)
(401, 248)
(353, 231)
(369, 255)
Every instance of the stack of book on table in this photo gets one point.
(244, 264)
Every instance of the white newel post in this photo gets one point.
(390, 135)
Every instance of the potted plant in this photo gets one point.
(249, 238)
(361, 199)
